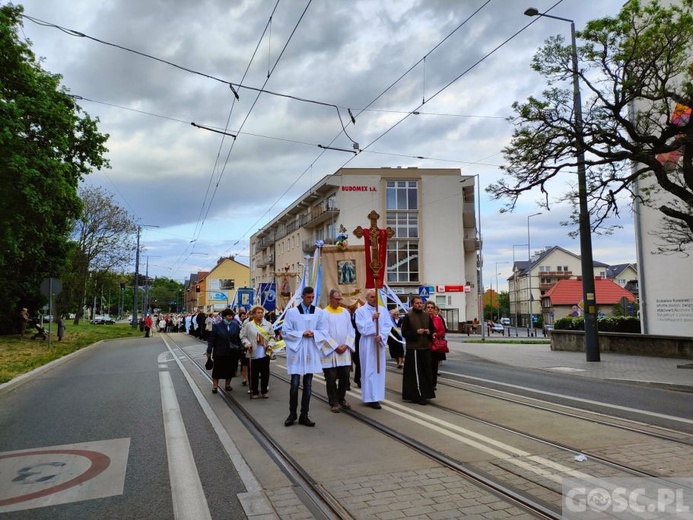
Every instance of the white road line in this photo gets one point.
(577, 399)
(242, 468)
(189, 502)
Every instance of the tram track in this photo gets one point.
(326, 505)
(316, 498)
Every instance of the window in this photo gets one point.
(403, 217)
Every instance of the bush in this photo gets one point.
(627, 324)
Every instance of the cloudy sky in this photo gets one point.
(208, 192)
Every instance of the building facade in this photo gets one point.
(546, 268)
(217, 287)
(432, 214)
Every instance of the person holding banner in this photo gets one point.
(372, 347)
(305, 331)
(257, 336)
(336, 352)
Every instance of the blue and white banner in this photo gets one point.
(244, 297)
(268, 296)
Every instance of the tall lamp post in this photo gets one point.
(480, 266)
(137, 274)
(587, 263)
(530, 329)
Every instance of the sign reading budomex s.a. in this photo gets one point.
(425, 291)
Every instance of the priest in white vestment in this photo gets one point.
(372, 346)
(304, 330)
(336, 353)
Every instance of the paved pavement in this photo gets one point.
(643, 369)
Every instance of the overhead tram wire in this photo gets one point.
(286, 44)
(415, 110)
(294, 141)
(325, 148)
(467, 70)
(228, 118)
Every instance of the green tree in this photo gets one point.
(105, 242)
(639, 59)
(47, 145)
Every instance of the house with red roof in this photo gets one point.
(565, 298)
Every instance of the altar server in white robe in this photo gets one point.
(336, 354)
(372, 345)
(304, 331)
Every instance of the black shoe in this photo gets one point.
(305, 421)
(214, 390)
(422, 401)
(290, 419)
(375, 405)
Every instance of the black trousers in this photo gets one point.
(307, 392)
(337, 382)
(260, 372)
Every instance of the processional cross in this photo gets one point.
(376, 253)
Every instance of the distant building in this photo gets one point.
(565, 299)
(217, 287)
(432, 212)
(546, 268)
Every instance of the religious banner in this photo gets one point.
(376, 250)
(344, 269)
(268, 296)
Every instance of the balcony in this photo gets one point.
(265, 242)
(265, 261)
(319, 214)
(308, 246)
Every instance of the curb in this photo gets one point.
(25, 378)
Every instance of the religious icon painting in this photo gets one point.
(346, 272)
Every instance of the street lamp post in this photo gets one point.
(480, 266)
(137, 274)
(530, 329)
(586, 260)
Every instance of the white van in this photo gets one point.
(505, 321)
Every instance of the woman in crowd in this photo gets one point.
(395, 343)
(224, 345)
(439, 326)
(257, 337)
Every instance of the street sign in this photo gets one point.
(51, 287)
(425, 291)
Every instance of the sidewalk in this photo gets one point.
(642, 369)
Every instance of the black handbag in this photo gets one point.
(209, 365)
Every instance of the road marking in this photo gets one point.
(242, 468)
(62, 474)
(577, 399)
(188, 497)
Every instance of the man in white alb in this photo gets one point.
(336, 352)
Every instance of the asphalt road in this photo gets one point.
(108, 393)
(578, 391)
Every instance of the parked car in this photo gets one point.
(497, 327)
(505, 321)
(104, 319)
(548, 329)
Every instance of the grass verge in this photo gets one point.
(21, 356)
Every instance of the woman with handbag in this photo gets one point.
(224, 347)
(439, 345)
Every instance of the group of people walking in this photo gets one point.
(327, 341)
